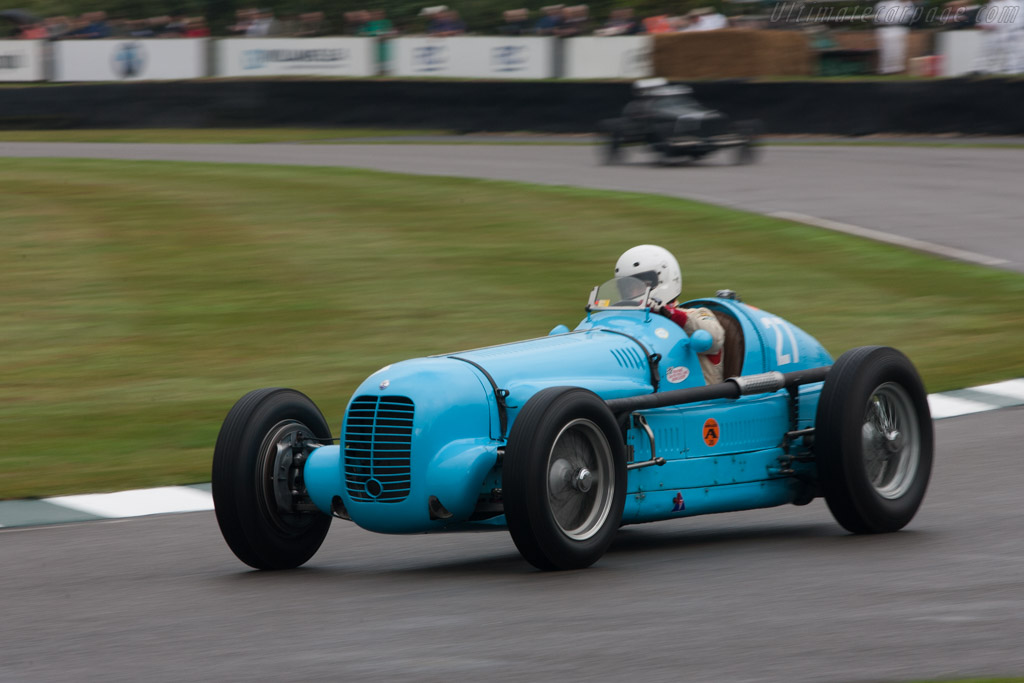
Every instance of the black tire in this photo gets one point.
(612, 151)
(664, 156)
(569, 436)
(746, 154)
(750, 151)
(252, 522)
(873, 440)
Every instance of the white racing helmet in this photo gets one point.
(654, 265)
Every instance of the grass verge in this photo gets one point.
(208, 135)
(974, 144)
(141, 299)
(382, 136)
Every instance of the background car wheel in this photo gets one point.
(564, 479)
(665, 157)
(251, 464)
(750, 151)
(612, 151)
(873, 440)
(746, 154)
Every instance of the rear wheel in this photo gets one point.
(746, 154)
(873, 440)
(257, 470)
(564, 479)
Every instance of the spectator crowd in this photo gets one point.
(1001, 23)
(96, 25)
(439, 20)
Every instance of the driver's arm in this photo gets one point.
(675, 314)
(693, 319)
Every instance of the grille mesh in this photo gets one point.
(378, 444)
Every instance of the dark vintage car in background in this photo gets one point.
(670, 122)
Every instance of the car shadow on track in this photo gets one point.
(449, 559)
(824, 536)
(634, 538)
(453, 559)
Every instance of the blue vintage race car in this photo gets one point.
(564, 438)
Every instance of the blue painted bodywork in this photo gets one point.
(431, 428)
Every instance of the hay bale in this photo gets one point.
(732, 53)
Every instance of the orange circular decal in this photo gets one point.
(711, 431)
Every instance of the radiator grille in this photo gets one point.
(712, 126)
(378, 444)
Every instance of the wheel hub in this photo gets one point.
(559, 476)
(893, 441)
(579, 479)
(563, 478)
(890, 441)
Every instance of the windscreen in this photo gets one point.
(620, 293)
(676, 104)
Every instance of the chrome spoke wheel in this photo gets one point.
(890, 440)
(580, 471)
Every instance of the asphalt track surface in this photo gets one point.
(960, 197)
(773, 595)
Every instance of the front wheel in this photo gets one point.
(746, 154)
(257, 479)
(750, 151)
(873, 440)
(564, 479)
(612, 151)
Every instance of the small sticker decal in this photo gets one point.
(678, 503)
(711, 431)
(661, 333)
(677, 374)
(601, 303)
(385, 384)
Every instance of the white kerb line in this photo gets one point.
(1012, 388)
(897, 240)
(950, 406)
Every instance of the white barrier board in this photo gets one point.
(21, 60)
(609, 57)
(297, 57)
(960, 51)
(473, 57)
(129, 60)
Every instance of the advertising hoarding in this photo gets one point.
(129, 60)
(961, 51)
(608, 57)
(353, 57)
(21, 60)
(474, 57)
